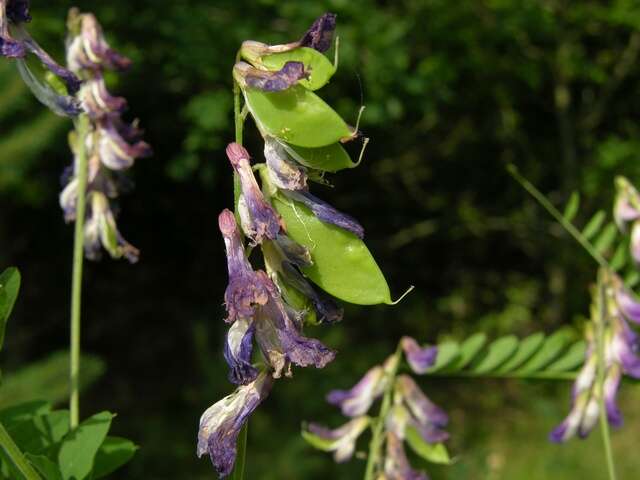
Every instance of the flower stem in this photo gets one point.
(16, 457)
(82, 128)
(377, 438)
(604, 423)
(238, 472)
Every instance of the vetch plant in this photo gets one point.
(313, 254)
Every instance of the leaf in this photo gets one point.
(620, 257)
(550, 350)
(342, 264)
(48, 469)
(594, 225)
(432, 452)
(9, 288)
(570, 360)
(499, 351)
(527, 348)
(48, 379)
(297, 116)
(319, 67)
(113, 453)
(23, 411)
(469, 350)
(572, 207)
(331, 158)
(35, 435)
(320, 443)
(447, 353)
(78, 450)
(606, 238)
(631, 278)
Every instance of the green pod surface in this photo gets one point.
(297, 116)
(331, 158)
(342, 264)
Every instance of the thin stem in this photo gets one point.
(604, 423)
(82, 128)
(377, 438)
(568, 226)
(15, 455)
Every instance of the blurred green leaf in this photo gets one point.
(9, 288)
(112, 454)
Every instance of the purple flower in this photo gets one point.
(237, 352)
(259, 220)
(342, 440)
(89, 49)
(396, 464)
(115, 152)
(97, 101)
(424, 415)
(418, 358)
(358, 400)
(325, 212)
(284, 172)
(221, 423)
(269, 81)
(246, 289)
(627, 203)
(279, 338)
(320, 33)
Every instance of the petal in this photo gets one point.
(115, 152)
(635, 241)
(358, 400)
(237, 352)
(96, 99)
(320, 33)
(343, 438)
(424, 410)
(325, 212)
(259, 220)
(276, 81)
(611, 385)
(419, 359)
(396, 465)
(284, 173)
(628, 303)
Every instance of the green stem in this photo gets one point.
(568, 226)
(82, 129)
(19, 461)
(377, 438)
(604, 423)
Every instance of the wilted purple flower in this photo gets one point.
(358, 400)
(268, 81)
(96, 99)
(419, 359)
(284, 173)
(325, 212)
(115, 152)
(424, 415)
(342, 440)
(259, 220)
(396, 464)
(14, 13)
(89, 49)
(101, 230)
(237, 352)
(221, 423)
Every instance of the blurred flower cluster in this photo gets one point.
(109, 143)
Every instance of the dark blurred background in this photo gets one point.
(454, 92)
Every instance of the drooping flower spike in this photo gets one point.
(221, 423)
(111, 144)
(16, 43)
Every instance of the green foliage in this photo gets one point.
(553, 357)
(342, 264)
(431, 452)
(331, 158)
(78, 450)
(9, 287)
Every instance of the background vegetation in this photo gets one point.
(454, 91)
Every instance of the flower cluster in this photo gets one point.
(268, 308)
(110, 144)
(16, 43)
(612, 308)
(409, 413)
(627, 210)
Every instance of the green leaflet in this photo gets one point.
(447, 353)
(48, 469)
(342, 264)
(468, 351)
(528, 347)
(297, 116)
(331, 158)
(572, 207)
(552, 348)
(9, 287)
(318, 442)
(572, 359)
(432, 452)
(113, 453)
(498, 352)
(593, 226)
(78, 450)
(319, 67)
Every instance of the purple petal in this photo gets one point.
(277, 81)
(320, 34)
(325, 212)
(259, 219)
(237, 352)
(11, 48)
(396, 465)
(221, 423)
(419, 359)
(628, 304)
(115, 152)
(611, 385)
(343, 438)
(245, 289)
(97, 101)
(358, 400)
(626, 349)
(285, 174)
(424, 410)
(635, 241)
(292, 252)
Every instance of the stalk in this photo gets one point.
(82, 128)
(16, 457)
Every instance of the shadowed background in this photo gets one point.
(454, 91)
